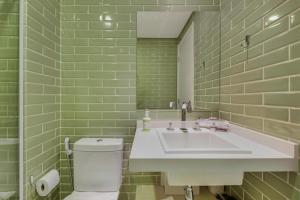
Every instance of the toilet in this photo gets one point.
(97, 169)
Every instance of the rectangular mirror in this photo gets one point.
(178, 59)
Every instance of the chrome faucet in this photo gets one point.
(186, 107)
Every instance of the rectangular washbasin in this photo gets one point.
(204, 142)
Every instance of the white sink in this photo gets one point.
(201, 142)
(208, 157)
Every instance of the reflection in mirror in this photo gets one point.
(9, 80)
(178, 59)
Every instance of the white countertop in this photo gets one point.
(148, 146)
(267, 153)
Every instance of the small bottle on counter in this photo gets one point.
(146, 120)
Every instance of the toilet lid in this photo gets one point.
(93, 196)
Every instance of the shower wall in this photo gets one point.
(9, 38)
(42, 91)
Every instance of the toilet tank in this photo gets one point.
(98, 164)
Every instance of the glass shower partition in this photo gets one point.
(9, 99)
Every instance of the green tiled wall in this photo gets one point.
(98, 85)
(9, 40)
(262, 92)
(207, 59)
(42, 91)
(156, 73)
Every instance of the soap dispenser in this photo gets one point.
(146, 120)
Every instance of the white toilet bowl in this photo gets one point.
(93, 196)
(97, 169)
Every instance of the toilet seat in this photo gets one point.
(93, 196)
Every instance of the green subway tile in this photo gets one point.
(87, 2)
(281, 11)
(88, 50)
(235, 89)
(250, 6)
(244, 56)
(295, 83)
(74, 107)
(268, 59)
(102, 107)
(74, 9)
(250, 189)
(106, 9)
(102, 75)
(284, 69)
(252, 30)
(295, 19)
(268, 86)
(88, 34)
(126, 123)
(102, 58)
(74, 74)
(250, 122)
(88, 99)
(281, 186)
(281, 129)
(247, 77)
(282, 99)
(247, 99)
(268, 112)
(295, 50)
(232, 108)
(116, 2)
(236, 69)
(115, 115)
(237, 191)
(116, 83)
(295, 116)
(261, 11)
(270, 31)
(125, 107)
(283, 40)
(74, 123)
(75, 58)
(126, 91)
(74, 91)
(263, 187)
(88, 115)
(143, 179)
(102, 123)
(171, 2)
(87, 82)
(116, 34)
(100, 42)
(144, 2)
(294, 179)
(115, 99)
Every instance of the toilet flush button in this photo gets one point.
(99, 140)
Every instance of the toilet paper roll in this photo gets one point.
(46, 184)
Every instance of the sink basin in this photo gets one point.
(201, 142)
(204, 157)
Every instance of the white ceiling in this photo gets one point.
(161, 24)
